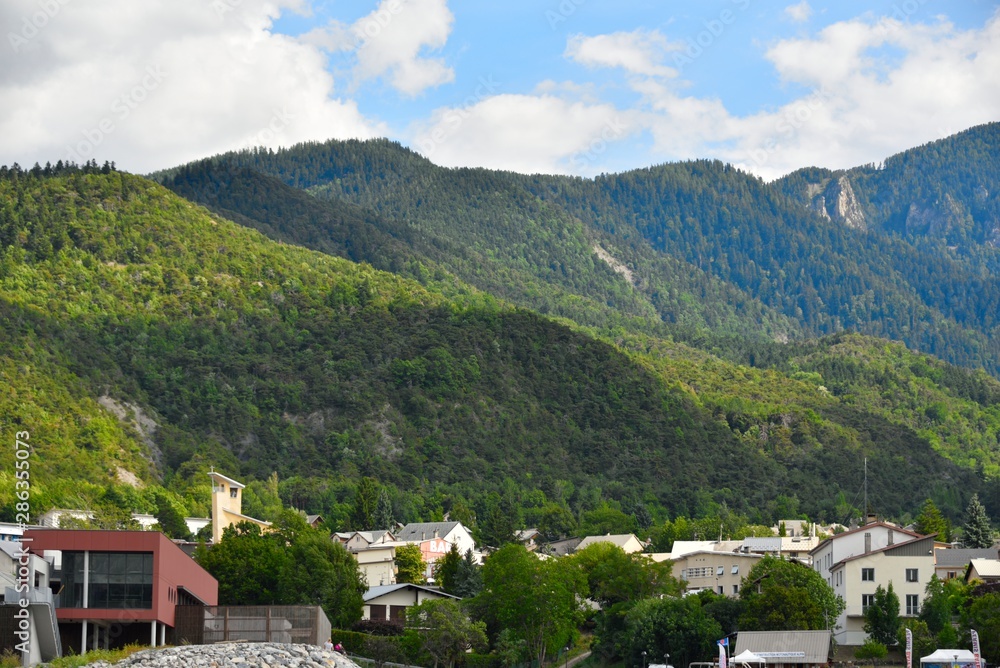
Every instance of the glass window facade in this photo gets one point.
(117, 580)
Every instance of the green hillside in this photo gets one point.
(945, 194)
(484, 227)
(713, 252)
(256, 356)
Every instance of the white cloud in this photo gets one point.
(638, 52)
(524, 133)
(799, 13)
(391, 43)
(153, 84)
(879, 87)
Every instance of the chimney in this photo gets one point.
(435, 533)
(890, 536)
(868, 543)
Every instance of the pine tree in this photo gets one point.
(365, 499)
(977, 531)
(383, 512)
(931, 521)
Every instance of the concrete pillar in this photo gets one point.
(83, 638)
(96, 638)
(152, 635)
(163, 635)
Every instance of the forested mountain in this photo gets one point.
(945, 193)
(703, 250)
(226, 348)
(483, 226)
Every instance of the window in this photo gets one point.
(722, 590)
(117, 580)
(867, 601)
(736, 570)
(721, 570)
(233, 491)
(912, 605)
(951, 574)
(911, 575)
(868, 575)
(736, 590)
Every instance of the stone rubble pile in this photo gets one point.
(241, 654)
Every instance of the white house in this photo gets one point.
(908, 566)
(872, 536)
(24, 584)
(391, 601)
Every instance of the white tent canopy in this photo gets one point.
(948, 657)
(746, 656)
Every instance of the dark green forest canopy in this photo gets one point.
(259, 356)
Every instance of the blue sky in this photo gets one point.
(569, 86)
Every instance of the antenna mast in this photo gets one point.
(864, 517)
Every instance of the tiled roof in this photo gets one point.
(425, 530)
(960, 557)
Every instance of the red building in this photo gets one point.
(117, 587)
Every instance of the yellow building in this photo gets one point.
(227, 505)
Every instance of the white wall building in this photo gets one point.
(908, 566)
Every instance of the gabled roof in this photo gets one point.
(987, 568)
(905, 546)
(962, 556)
(425, 530)
(866, 527)
(382, 590)
(620, 540)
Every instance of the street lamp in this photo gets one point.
(666, 660)
(567, 656)
(643, 658)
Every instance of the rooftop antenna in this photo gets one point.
(864, 517)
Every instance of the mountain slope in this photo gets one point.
(702, 248)
(257, 356)
(485, 228)
(947, 192)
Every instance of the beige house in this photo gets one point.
(391, 601)
(953, 562)
(627, 542)
(720, 572)
(908, 566)
(378, 564)
(227, 505)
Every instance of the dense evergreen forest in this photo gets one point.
(149, 338)
(711, 252)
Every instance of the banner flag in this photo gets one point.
(975, 648)
(722, 654)
(909, 648)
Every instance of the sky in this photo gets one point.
(555, 86)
